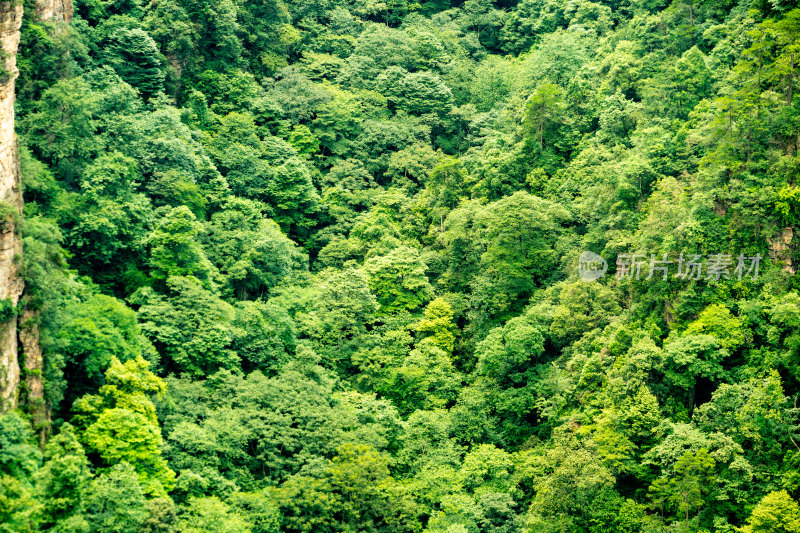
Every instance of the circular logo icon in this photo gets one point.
(591, 266)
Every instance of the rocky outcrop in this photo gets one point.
(54, 10)
(34, 364)
(780, 249)
(10, 208)
(11, 284)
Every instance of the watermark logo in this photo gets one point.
(591, 266)
(638, 266)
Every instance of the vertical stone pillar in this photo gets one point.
(54, 10)
(10, 207)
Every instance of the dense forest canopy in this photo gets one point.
(316, 266)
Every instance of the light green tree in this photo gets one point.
(777, 512)
(119, 424)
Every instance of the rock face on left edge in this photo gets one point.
(11, 284)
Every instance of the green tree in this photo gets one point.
(134, 55)
(175, 250)
(690, 357)
(211, 514)
(717, 321)
(343, 308)
(355, 491)
(188, 324)
(18, 506)
(777, 512)
(63, 126)
(263, 335)
(115, 501)
(19, 457)
(437, 325)
(544, 110)
(685, 490)
(19, 461)
(502, 252)
(108, 223)
(250, 251)
(571, 477)
(63, 482)
(398, 280)
(119, 424)
(425, 380)
(259, 509)
(423, 92)
(94, 331)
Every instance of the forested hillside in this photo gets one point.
(318, 266)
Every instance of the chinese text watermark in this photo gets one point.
(638, 266)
